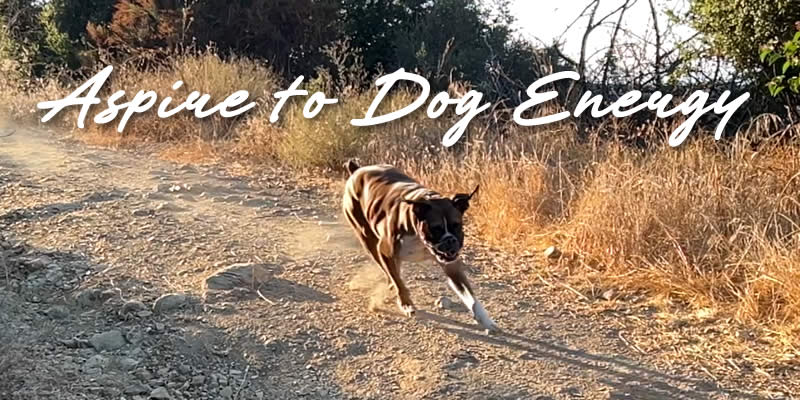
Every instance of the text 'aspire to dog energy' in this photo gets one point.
(467, 107)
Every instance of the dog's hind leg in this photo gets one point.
(457, 280)
(357, 220)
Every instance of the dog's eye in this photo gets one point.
(455, 227)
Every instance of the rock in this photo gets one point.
(127, 363)
(133, 306)
(75, 343)
(184, 369)
(92, 296)
(552, 253)
(137, 388)
(239, 275)
(253, 203)
(154, 196)
(574, 392)
(95, 364)
(226, 392)
(39, 262)
(54, 274)
(232, 198)
(168, 207)
(169, 302)
(445, 303)
(160, 393)
(57, 312)
(142, 212)
(107, 341)
(143, 374)
(198, 380)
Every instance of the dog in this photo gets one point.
(398, 220)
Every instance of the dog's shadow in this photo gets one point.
(626, 377)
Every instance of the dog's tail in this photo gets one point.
(351, 167)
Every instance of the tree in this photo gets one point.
(442, 40)
(71, 16)
(737, 29)
(288, 33)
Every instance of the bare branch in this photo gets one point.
(657, 66)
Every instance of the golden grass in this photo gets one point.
(705, 226)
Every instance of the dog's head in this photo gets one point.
(439, 224)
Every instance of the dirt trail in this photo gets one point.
(102, 236)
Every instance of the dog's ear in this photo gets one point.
(351, 166)
(461, 200)
(419, 207)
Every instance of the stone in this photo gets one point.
(54, 274)
(142, 212)
(226, 392)
(239, 275)
(94, 364)
(39, 262)
(127, 363)
(57, 312)
(90, 297)
(107, 341)
(133, 306)
(137, 388)
(445, 303)
(160, 393)
(169, 302)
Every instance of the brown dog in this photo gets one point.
(397, 219)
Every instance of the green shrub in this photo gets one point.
(787, 56)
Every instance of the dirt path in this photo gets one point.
(95, 239)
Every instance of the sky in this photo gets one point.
(547, 20)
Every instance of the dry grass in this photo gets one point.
(701, 225)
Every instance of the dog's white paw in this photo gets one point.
(408, 310)
(482, 317)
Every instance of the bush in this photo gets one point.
(205, 72)
(327, 140)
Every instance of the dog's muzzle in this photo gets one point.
(446, 250)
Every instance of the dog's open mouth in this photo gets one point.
(444, 257)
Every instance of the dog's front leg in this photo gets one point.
(458, 281)
(392, 266)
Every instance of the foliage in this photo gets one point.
(289, 35)
(139, 24)
(70, 17)
(55, 39)
(420, 36)
(21, 36)
(787, 56)
(738, 28)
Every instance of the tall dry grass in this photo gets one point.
(704, 224)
